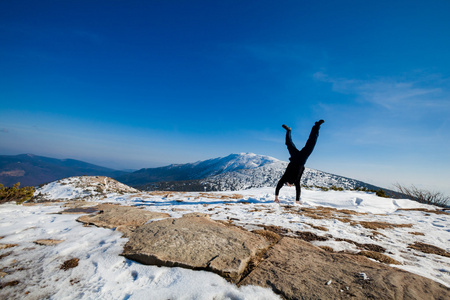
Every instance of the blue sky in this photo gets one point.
(133, 84)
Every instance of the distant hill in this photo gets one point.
(33, 170)
(233, 172)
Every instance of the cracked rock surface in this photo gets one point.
(296, 269)
(197, 243)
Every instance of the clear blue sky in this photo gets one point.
(133, 84)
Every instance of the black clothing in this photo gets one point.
(295, 168)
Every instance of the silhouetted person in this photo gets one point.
(295, 168)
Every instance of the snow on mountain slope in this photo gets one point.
(230, 163)
(81, 187)
(240, 171)
(249, 170)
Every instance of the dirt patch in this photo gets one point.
(426, 248)
(379, 257)
(70, 264)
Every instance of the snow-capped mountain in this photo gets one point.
(233, 172)
(197, 170)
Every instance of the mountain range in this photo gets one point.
(33, 170)
(233, 172)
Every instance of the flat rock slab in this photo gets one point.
(296, 269)
(124, 218)
(197, 243)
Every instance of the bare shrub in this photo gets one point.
(423, 196)
(15, 193)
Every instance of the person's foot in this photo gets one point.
(318, 123)
(286, 127)
(298, 202)
(276, 200)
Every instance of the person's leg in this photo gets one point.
(277, 189)
(311, 142)
(298, 189)
(290, 145)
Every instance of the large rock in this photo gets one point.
(124, 218)
(296, 269)
(197, 243)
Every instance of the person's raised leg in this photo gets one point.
(311, 142)
(290, 145)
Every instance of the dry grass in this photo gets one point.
(379, 257)
(234, 196)
(310, 236)
(69, 264)
(6, 246)
(277, 229)
(344, 220)
(317, 227)
(327, 248)
(322, 212)
(379, 225)
(271, 236)
(370, 247)
(10, 283)
(417, 233)
(5, 254)
(426, 248)
(438, 212)
(159, 193)
(226, 223)
(48, 242)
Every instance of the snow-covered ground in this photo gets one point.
(34, 271)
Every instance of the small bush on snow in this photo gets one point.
(15, 193)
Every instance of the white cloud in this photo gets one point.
(393, 93)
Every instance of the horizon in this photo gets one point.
(148, 84)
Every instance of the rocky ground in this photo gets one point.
(337, 245)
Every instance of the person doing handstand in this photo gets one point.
(296, 166)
